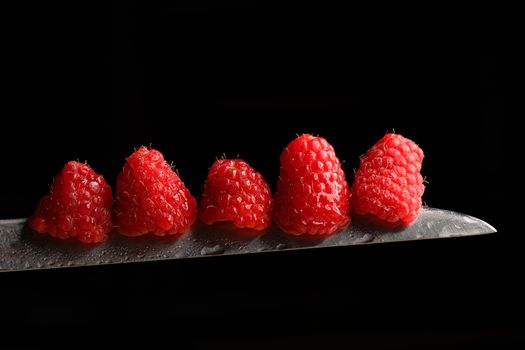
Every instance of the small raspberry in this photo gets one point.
(78, 205)
(235, 192)
(388, 186)
(151, 198)
(312, 194)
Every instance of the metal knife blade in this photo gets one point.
(22, 249)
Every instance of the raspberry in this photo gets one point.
(312, 194)
(235, 192)
(78, 205)
(388, 186)
(151, 198)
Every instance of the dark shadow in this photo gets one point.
(225, 229)
(229, 229)
(146, 240)
(45, 242)
(280, 240)
(369, 223)
(73, 249)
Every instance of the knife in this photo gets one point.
(22, 249)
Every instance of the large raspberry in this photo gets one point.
(388, 185)
(78, 205)
(151, 198)
(312, 194)
(235, 192)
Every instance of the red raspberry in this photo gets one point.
(235, 192)
(151, 198)
(78, 205)
(388, 186)
(312, 194)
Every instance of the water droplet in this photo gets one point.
(164, 255)
(126, 258)
(366, 238)
(216, 249)
(69, 263)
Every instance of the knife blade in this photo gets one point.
(22, 249)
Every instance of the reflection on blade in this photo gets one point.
(22, 249)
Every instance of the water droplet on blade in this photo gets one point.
(281, 246)
(367, 238)
(216, 249)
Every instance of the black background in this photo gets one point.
(201, 79)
